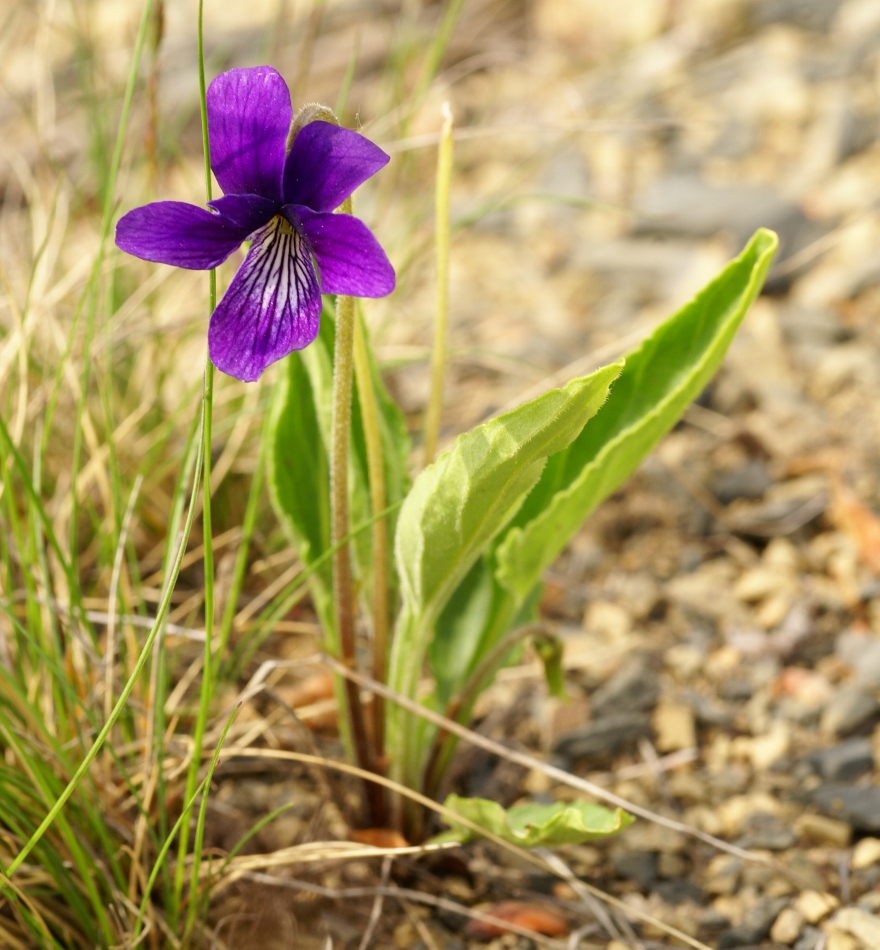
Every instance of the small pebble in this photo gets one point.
(865, 854)
(858, 805)
(816, 905)
(722, 875)
(674, 725)
(817, 829)
(849, 709)
(809, 939)
(788, 926)
(841, 940)
(845, 760)
(860, 924)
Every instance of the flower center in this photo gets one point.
(282, 225)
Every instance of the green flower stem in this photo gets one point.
(343, 593)
(208, 678)
(441, 229)
(376, 468)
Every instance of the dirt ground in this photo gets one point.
(722, 612)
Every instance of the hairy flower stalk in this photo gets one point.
(340, 520)
(283, 178)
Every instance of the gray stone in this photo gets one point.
(749, 481)
(638, 866)
(862, 653)
(858, 806)
(707, 711)
(843, 761)
(816, 15)
(766, 832)
(809, 939)
(683, 205)
(604, 736)
(679, 892)
(755, 926)
(737, 690)
(850, 708)
(634, 688)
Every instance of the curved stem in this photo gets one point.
(462, 703)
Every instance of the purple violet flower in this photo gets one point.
(283, 202)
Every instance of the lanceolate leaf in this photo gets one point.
(454, 510)
(661, 377)
(533, 825)
(458, 504)
(298, 475)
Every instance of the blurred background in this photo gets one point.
(609, 159)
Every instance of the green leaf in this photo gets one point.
(533, 825)
(661, 377)
(454, 510)
(298, 476)
(299, 438)
(458, 504)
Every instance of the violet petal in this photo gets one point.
(248, 212)
(350, 260)
(249, 115)
(173, 232)
(272, 306)
(325, 165)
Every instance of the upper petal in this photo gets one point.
(272, 306)
(325, 165)
(249, 116)
(173, 232)
(350, 260)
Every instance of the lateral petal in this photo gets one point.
(350, 259)
(173, 232)
(249, 115)
(325, 165)
(272, 306)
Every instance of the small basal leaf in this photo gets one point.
(550, 650)
(534, 825)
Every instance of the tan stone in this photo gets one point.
(865, 853)
(841, 940)
(722, 875)
(817, 829)
(863, 926)
(769, 748)
(674, 726)
(816, 905)
(788, 926)
(607, 620)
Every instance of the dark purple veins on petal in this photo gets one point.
(249, 115)
(325, 165)
(173, 232)
(272, 306)
(350, 260)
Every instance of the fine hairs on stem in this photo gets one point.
(378, 500)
